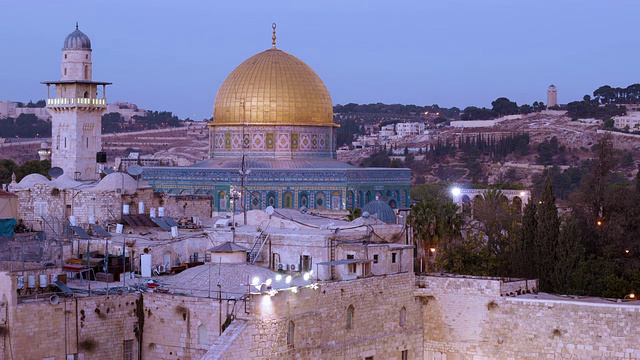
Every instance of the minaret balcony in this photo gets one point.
(76, 102)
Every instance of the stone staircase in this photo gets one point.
(224, 342)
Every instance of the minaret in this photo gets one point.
(76, 111)
(552, 96)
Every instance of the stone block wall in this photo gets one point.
(178, 206)
(468, 319)
(91, 327)
(320, 327)
(179, 327)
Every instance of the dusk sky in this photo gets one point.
(174, 55)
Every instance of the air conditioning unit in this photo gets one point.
(283, 266)
(294, 267)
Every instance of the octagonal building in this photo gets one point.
(272, 142)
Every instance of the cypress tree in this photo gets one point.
(546, 238)
(524, 254)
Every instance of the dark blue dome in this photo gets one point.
(380, 210)
(77, 40)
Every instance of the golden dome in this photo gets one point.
(273, 88)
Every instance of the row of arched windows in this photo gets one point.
(318, 200)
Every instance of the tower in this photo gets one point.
(552, 96)
(76, 111)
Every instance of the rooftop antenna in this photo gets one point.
(273, 38)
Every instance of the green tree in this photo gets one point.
(546, 239)
(524, 249)
(498, 221)
(503, 106)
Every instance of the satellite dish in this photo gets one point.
(55, 172)
(108, 171)
(269, 210)
(134, 170)
(303, 209)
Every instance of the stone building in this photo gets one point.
(76, 111)
(552, 96)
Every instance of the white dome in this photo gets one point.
(32, 179)
(117, 180)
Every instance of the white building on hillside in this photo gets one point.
(411, 128)
(632, 120)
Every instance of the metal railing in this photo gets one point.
(76, 101)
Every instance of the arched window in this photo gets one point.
(350, 311)
(291, 333)
(86, 72)
(303, 199)
(255, 200)
(287, 200)
(319, 200)
(86, 95)
(272, 200)
(202, 334)
(65, 71)
(403, 316)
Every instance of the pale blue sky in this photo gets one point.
(173, 55)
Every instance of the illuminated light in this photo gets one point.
(626, 251)
(294, 290)
(306, 276)
(599, 223)
(278, 277)
(632, 296)
(288, 279)
(311, 272)
(255, 281)
(432, 250)
(268, 282)
(455, 191)
(313, 286)
(272, 292)
(522, 193)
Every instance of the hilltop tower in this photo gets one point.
(76, 111)
(552, 96)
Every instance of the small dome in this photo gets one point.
(273, 88)
(381, 210)
(117, 181)
(32, 179)
(77, 40)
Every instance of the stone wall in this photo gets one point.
(179, 327)
(320, 327)
(178, 206)
(468, 319)
(92, 327)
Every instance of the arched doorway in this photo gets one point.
(222, 200)
(336, 199)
